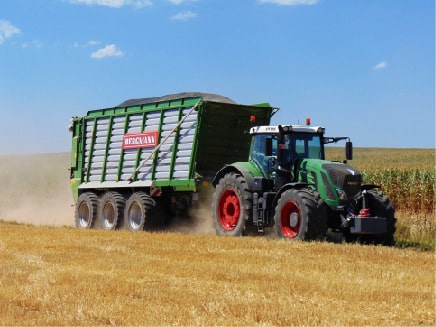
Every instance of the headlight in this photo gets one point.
(341, 194)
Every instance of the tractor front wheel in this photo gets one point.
(379, 206)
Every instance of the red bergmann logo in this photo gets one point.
(140, 140)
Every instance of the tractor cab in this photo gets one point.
(280, 147)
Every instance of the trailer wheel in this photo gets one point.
(138, 210)
(300, 215)
(380, 205)
(232, 205)
(111, 210)
(86, 210)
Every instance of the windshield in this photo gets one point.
(298, 145)
(304, 146)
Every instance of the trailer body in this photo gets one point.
(163, 147)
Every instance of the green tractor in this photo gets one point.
(288, 184)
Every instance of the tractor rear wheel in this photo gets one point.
(232, 205)
(138, 211)
(86, 210)
(300, 215)
(111, 210)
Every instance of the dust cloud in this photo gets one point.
(35, 189)
(199, 221)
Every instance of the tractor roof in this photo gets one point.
(274, 129)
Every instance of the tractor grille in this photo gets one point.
(345, 177)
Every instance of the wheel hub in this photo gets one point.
(290, 220)
(84, 215)
(229, 210)
(109, 216)
(135, 216)
(293, 220)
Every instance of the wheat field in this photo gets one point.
(70, 277)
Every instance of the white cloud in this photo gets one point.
(108, 51)
(381, 65)
(290, 2)
(184, 16)
(179, 2)
(114, 3)
(7, 30)
(35, 43)
(90, 43)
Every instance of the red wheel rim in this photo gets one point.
(290, 220)
(229, 210)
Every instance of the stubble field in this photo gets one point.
(59, 275)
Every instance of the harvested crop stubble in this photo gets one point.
(65, 276)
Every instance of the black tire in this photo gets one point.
(111, 210)
(379, 206)
(300, 214)
(231, 205)
(138, 211)
(86, 210)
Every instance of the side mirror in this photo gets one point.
(268, 146)
(349, 150)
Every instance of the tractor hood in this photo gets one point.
(344, 177)
(336, 182)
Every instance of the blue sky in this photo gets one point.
(360, 68)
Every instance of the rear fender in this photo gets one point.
(246, 169)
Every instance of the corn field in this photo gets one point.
(410, 190)
(407, 176)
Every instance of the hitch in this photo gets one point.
(364, 212)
